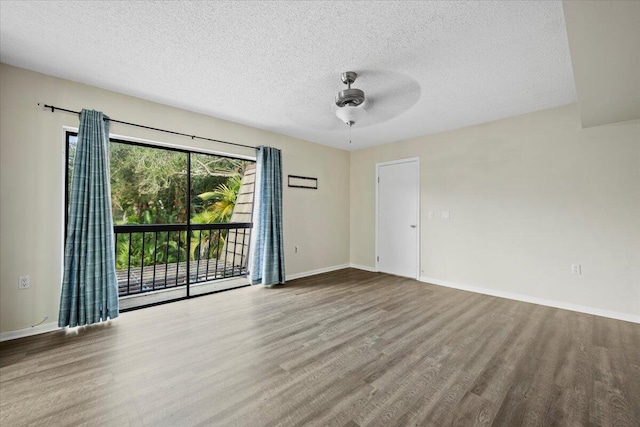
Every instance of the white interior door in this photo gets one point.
(398, 200)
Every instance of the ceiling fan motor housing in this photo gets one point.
(352, 97)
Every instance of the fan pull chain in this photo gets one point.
(350, 123)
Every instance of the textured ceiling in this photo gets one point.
(425, 67)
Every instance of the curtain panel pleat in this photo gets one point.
(267, 260)
(89, 285)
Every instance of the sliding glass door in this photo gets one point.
(220, 221)
(182, 220)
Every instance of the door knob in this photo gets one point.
(412, 226)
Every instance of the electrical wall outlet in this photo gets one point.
(576, 269)
(24, 282)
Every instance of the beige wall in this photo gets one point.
(31, 184)
(528, 196)
(603, 41)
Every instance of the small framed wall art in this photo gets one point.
(296, 181)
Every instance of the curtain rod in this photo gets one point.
(53, 108)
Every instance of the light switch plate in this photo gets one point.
(445, 214)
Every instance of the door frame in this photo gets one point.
(417, 195)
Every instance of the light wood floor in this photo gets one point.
(348, 348)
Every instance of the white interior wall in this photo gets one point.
(528, 197)
(32, 171)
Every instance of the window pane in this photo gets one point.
(222, 192)
(216, 187)
(148, 185)
(71, 156)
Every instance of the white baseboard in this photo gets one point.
(534, 300)
(363, 267)
(318, 271)
(34, 330)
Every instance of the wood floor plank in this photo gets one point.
(345, 348)
(461, 369)
(474, 411)
(573, 376)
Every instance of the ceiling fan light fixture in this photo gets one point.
(349, 101)
(350, 114)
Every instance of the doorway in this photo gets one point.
(397, 217)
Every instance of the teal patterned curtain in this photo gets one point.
(267, 260)
(89, 284)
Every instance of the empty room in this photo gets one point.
(345, 213)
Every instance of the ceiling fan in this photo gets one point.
(350, 101)
(389, 94)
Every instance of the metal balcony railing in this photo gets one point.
(152, 257)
